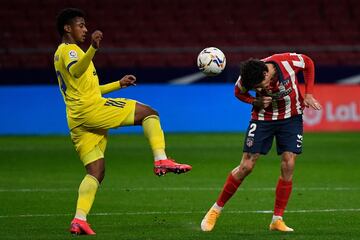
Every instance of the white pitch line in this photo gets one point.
(150, 189)
(183, 212)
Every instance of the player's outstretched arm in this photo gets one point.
(126, 81)
(78, 69)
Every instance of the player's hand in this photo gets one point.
(96, 37)
(262, 102)
(127, 80)
(310, 101)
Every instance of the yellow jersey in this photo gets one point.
(78, 82)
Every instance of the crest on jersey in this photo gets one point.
(73, 55)
(249, 142)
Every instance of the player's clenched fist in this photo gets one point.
(262, 102)
(128, 80)
(96, 37)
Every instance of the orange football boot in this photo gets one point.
(80, 227)
(162, 167)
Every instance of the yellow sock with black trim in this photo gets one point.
(153, 132)
(87, 192)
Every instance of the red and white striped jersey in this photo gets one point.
(287, 100)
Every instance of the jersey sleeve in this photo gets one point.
(301, 63)
(242, 93)
(304, 63)
(70, 55)
(77, 65)
(110, 87)
(309, 74)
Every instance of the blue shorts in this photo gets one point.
(287, 132)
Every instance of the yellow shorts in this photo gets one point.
(90, 138)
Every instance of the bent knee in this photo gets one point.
(246, 167)
(96, 169)
(288, 158)
(152, 111)
(101, 176)
(142, 112)
(251, 156)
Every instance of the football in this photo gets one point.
(211, 61)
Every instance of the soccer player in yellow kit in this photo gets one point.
(90, 115)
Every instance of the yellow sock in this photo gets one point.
(87, 192)
(155, 134)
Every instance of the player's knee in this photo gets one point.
(150, 111)
(288, 161)
(250, 156)
(101, 176)
(246, 167)
(145, 110)
(96, 169)
(142, 112)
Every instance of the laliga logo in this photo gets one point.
(312, 117)
(342, 113)
(338, 113)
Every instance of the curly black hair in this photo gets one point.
(65, 17)
(252, 72)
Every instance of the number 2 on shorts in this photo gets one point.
(252, 130)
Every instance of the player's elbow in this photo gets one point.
(76, 74)
(76, 70)
(307, 60)
(103, 91)
(237, 92)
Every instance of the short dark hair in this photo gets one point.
(65, 17)
(252, 72)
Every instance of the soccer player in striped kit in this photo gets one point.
(277, 112)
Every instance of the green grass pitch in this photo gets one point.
(39, 177)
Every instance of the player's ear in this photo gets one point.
(67, 28)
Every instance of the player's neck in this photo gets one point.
(68, 39)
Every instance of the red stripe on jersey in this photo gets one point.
(287, 99)
(281, 107)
